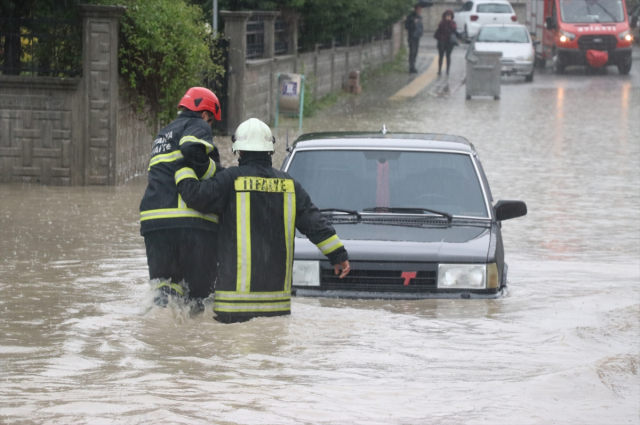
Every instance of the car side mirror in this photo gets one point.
(634, 22)
(536, 42)
(549, 23)
(506, 210)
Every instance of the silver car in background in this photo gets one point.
(515, 43)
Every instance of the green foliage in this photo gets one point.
(164, 50)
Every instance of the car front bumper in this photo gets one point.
(517, 68)
(366, 295)
(579, 56)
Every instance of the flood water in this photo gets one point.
(80, 342)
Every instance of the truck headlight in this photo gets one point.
(625, 35)
(564, 35)
(462, 276)
(306, 273)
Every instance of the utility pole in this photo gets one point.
(215, 18)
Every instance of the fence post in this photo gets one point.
(95, 156)
(235, 24)
(292, 32)
(269, 19)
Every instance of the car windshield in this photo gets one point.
(494, 8)
(357, 179)
(503, 35)
(591, 11)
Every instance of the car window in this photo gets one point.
(503, 35)
(494, 8)
(591, 11)
(354, 180)
(467, 6)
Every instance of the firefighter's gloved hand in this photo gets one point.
(346, 268)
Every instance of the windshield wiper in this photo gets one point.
(339, 210)
(408, 210)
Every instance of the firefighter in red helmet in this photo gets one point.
(181, 243)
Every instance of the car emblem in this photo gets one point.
(407, 276)
(597, 40)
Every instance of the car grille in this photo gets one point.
(597, 42)
(378, 280)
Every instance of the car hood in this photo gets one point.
(509, 50)
(386, 243)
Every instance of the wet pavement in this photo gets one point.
(79, 342)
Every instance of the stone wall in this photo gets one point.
(325, 70)
(74, 131)
(39, 130)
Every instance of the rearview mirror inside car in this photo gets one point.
(506, 210)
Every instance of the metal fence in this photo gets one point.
(43, 47)
(255, 38)
(281, 33)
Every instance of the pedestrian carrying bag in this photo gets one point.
(453, 39)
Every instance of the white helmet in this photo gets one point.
(253, 135)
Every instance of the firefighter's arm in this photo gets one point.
(311, 223)
(196, 144)
(206, 196)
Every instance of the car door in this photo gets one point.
(462, 16)
(494, 13)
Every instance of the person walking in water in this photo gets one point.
(413, 25)
(446, 30)
(260, 209)
(181, 242)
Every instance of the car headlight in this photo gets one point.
(462, 276)
(566, 35)
(306, 273)
(625, 35)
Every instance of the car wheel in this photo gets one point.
(624, 68)
(529, 78)
(465, 34)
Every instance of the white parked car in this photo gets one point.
(475, 13)
(514, 41)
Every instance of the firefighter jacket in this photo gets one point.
(260, 209)
(188, 137)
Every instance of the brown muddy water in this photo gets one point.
(80, 342)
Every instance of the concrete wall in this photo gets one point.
(74, 131)
(325, 70)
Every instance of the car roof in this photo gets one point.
(379, 140)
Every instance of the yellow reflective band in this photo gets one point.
(173, 286)
(289, 226)
(210, 171)
(185, 173)
(181, 204)
(243, 240)
(261, 184)
(252, 296)
(176, 213)
(165, 157)
(329, 245)
(227, 307)
(192, 139)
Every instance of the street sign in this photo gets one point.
(290, 97)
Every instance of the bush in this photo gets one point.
(165, 48)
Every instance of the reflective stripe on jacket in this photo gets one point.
(260, 209)
(187, 138)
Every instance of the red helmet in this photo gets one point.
(201, 99)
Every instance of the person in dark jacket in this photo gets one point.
(413, 25)
(260, 209)
(446, 28)
(181, 242)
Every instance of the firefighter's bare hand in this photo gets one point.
(346, 268)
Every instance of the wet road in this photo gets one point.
(77, 344)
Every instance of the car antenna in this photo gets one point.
(384, 129)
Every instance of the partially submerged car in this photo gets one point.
(413, 210)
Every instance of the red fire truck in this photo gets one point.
(580, 32)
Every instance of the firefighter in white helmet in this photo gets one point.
(260, 209)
